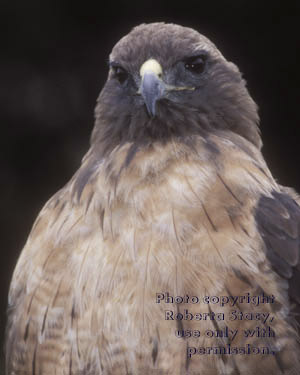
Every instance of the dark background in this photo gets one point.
(53, 65)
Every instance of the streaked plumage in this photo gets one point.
(173, 196)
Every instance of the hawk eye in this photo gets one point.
(120, 73)
(195, 64)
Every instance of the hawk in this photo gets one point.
(172, 222)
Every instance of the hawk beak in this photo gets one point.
(152, 87)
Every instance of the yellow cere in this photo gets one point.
(151, 65)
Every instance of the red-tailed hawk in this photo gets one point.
(172, 250)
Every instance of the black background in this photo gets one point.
(53, 65)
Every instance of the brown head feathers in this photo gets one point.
(219, 99)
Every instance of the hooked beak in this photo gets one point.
(152, 87)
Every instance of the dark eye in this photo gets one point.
(195, 64)
(120, 73)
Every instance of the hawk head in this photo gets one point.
(169, 81)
